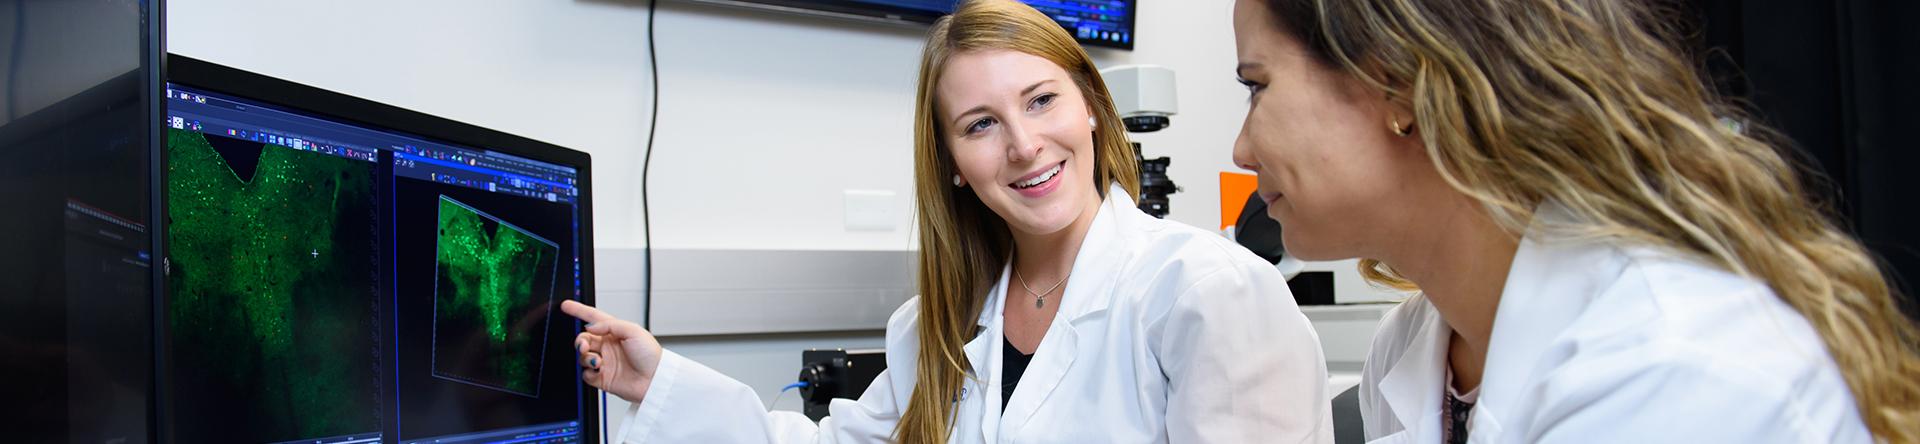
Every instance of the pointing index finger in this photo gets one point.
(584, 312)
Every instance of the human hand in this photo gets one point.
(618, 356)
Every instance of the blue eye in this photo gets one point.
(979, 125)
(1042, 101)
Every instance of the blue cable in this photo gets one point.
(783, 392)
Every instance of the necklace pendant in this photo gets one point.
(1039, 301)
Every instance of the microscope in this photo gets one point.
(1144, 96)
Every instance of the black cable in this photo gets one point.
(646, 166)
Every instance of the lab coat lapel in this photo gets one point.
(1089, 292)
(1551, 282)
(1411, 387)
(983, 352)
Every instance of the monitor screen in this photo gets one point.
(339, 271)
(1107, 23)
(78, 114)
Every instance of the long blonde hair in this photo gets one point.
(963, 244)
(1588, 103)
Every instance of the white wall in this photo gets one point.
(766, 118)
(570, 73)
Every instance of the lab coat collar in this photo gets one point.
(1094, 264)
(1089, 289)
(983, 352)
(1408, 387)
(1552, 280)
(1089, 293)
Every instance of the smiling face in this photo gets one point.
(1017, 128)
(1332, 172)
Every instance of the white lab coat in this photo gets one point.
(1595, 342)
(1166, 333)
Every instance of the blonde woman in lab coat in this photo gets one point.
(1598, 256)
(1051, 309)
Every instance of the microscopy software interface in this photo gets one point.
(1108, 21)
(330, 282)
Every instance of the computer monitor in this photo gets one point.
(1107, 23)
(78, 114)
(342, 271)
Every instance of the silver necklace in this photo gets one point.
(1040, 297)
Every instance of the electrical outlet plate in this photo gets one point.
(872, 210)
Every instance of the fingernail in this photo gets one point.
(595, 362)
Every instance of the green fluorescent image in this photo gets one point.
(492, 301)
(270, 277)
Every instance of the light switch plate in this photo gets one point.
(872, 210)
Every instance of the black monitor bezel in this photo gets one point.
(213, 77)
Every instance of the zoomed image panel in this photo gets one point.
(492, 301)
(270, 290)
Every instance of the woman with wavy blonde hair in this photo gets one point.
(1051, 308)
(1603, 250)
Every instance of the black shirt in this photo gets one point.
(1012, 365)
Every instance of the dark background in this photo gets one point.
(76, 291)
(431, 406)
(1838, 77)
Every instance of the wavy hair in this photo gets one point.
(1590, 104)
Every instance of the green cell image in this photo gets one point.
(270, 291)
(492, 302)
